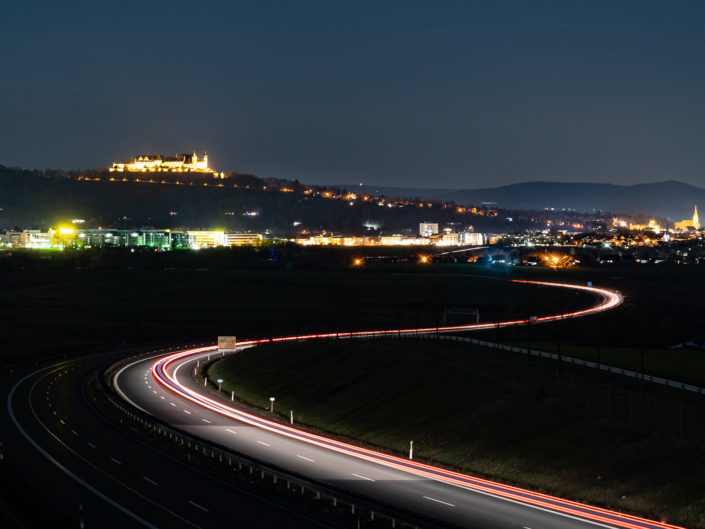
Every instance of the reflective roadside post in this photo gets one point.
(271, 404)
(411, 450)
(220, 383)
(291, 416)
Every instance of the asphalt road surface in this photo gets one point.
(433, 498)
(73, 456)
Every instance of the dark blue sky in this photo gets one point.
(447, 94)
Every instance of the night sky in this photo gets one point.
(433, 94)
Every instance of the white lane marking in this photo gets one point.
(149, 480)
(54, 412)
(206, 420)
(115, 461)
(263, 443)
(363, 477)
(516, 502)
(186, 411)
(439, 501)
(150, 387)
(306, 458)
(91, 445)
(153, 391)
(62, 421)
(198, 506)
(173, 404)
(231, 431)
(162, 397)
(74, 432)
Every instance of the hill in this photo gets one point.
(671, 199)
(237, 203)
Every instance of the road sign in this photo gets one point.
(227, 343)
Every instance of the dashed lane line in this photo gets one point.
(198, 506)
(439, 501)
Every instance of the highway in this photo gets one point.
(74, 456)
(123, 481)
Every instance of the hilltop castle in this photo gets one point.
(157, 163)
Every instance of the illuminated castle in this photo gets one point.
(183, 163)
(685, 224)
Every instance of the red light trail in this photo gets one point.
(608, 300)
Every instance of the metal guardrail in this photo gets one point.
(334, 494)
(571, 360)
(357, 504)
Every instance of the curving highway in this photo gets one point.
(127, 482)
(167, 389)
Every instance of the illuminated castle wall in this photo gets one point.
(158, 163)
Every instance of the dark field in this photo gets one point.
(45, 312)
(60, 303)
(575, 432)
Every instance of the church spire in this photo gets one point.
(696, 219)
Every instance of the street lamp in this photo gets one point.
(271, 404)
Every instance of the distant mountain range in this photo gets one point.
(671, 199)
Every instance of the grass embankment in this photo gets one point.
(683, 365)
(594, 440)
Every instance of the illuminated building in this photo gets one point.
(206, 239)
(62, 237)
(34, 239)
(471, 238)
(242, 239)
(694, 223)
(448, 239)
(69, 237)
(426, 229)
(651, 226)
(186, 163)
